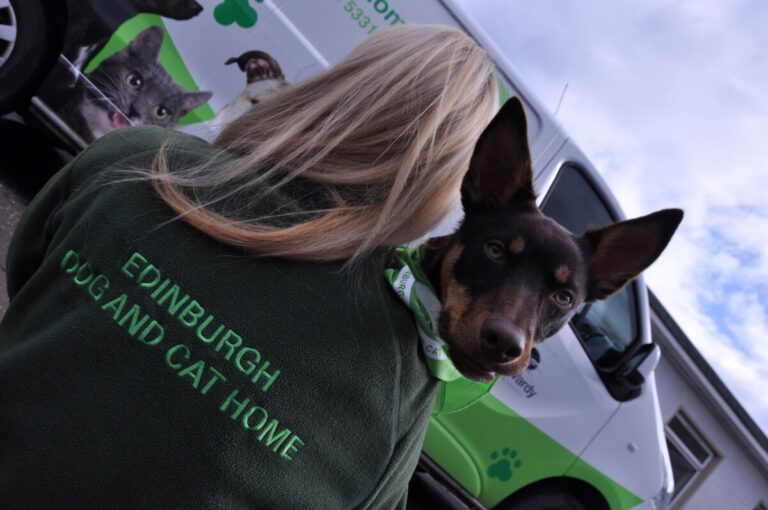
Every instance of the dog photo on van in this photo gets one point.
(263, 77)
(90, 28)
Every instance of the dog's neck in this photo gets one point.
(432, 261)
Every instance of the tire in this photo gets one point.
(545, 501)
(31, 37)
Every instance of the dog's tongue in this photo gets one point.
(118, 120)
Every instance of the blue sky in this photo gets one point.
(669, 100)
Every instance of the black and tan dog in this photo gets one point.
(510, 277)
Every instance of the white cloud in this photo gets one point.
(668, 101)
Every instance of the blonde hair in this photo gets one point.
(395, 122)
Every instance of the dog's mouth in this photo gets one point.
(476, 370)
(470, 368)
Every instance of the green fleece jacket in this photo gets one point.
(145, 365)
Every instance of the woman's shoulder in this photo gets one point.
(125, 142)
(133, 147)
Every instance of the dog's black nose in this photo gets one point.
(502, 340)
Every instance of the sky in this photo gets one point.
(669, 100)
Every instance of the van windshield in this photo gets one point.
(606, 328)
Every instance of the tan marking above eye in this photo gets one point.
(517, 245)
(562, 274)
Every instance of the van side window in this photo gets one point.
(606, 328)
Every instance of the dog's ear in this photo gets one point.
(500, 171)
(623, 250)
(146, 45)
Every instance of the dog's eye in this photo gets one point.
(134, 80)
(563, 298)
(161, 112)
(494, 250)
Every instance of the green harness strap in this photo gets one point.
(412, 286)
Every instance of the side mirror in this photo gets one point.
(640, 365)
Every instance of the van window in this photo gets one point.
(606, 328)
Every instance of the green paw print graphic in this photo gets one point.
(502, 469)
(236, 11)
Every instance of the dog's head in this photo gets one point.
(258, 66)
(510, 277)
(174, 9)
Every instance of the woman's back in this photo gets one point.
(206, 377)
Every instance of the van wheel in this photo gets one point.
(545, 501)
(31, 37)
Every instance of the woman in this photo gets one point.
(251, 355)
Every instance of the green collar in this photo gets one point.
(412, 286)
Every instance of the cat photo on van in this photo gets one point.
(130, 88)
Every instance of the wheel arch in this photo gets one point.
(586, 493)
(35, 55)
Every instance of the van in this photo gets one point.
(581, 428)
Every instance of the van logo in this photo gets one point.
(506, 460)
(236, 11)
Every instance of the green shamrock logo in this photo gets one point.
(236, 11)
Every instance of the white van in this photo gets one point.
(581, 428)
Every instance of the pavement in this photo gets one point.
(27, 160)
(11, 206)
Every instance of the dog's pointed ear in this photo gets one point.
(500, 170)
(623, 250)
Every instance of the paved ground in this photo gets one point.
(11, 206)
(26, 162)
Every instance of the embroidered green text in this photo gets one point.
(135, 319)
